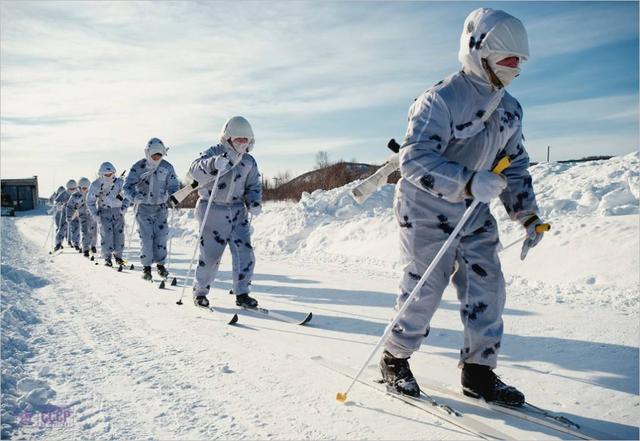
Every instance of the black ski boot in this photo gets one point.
(146, 273)
(94, 250)
(245, 301)
(119, 260)
(78, 249)
(397, 375)
(86, 253)
(162, 271)
(58, 247)
(479, 381)
(201, 301)
(107, 262)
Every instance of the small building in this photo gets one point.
(21, 193)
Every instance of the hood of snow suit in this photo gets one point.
(488, 32)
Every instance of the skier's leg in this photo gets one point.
(93, 231)
(145, 219)
(421, 237)
(481, 291)
(118, 233)
(106, 230)
(61, 227)
(75, 232)
(212, 244)
(160, 234)
(241, 252)
(85, 229)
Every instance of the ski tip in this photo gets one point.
(161, 286)
(307, 319)
(234, 319)
(119, 268)
(131, 267)
(341, 397)
(174, 282)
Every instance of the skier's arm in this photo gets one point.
(173, 184)
(120, 196)
(253, 188)
(421, 160)
(133, 177)
(71, 208)
(60, 199)
(202, 169)
(518, 198)
(92, 198)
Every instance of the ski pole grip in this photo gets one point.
(502, 165)
(542, 228)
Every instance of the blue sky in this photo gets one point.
(83, 82)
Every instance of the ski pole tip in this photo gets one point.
(341, 397)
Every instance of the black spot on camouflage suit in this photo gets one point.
(464, 126)
(201, 263)
(522, 196)
(480, 113)
(472, 313)
(218, 238)
(427, 182)
(222, 186)
(479, 270)
(435, 138)
(414, 276)
(488, 352)
(406, 223)
(444, 224)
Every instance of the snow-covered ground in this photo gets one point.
(91, 353)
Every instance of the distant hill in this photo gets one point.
(327, 178)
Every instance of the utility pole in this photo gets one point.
(548, 152)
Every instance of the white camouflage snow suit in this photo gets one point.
(453, 131)
(149, 188)
(227, 222)
(77, 208)
(59, 217)
(72, 225)
(107, 204)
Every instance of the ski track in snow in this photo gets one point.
(128, 363)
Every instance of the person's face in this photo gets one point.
(84, 189)
(512, 62)
(108, 175)
(72, 189)
(156, 156)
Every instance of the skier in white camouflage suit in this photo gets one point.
(60, 218)
(108, 206)
(239, 193)
(149, 184)
(71, 228)
(77, 208)
(458, 130)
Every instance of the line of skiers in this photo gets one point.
(458, 130)
(84, 207)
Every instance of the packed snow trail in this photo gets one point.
(130, 363)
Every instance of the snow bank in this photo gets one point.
(21, 393)
(593, 245)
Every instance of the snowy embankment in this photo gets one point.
(91, 353)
